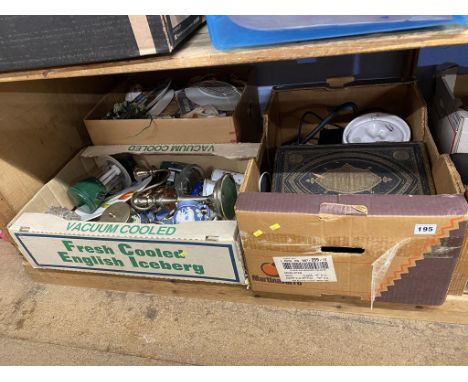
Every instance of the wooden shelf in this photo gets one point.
(198, 52)
(454, 310)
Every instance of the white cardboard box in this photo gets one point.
(199, 251)
(449, 121)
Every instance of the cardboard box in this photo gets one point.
(394, 248)
(29, 42)
(198, 251)
(448, 118)
(178, 130)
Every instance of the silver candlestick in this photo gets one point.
(222, 199)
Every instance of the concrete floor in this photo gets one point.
(43, 324)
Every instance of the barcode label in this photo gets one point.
(305, 268)
(316, 266)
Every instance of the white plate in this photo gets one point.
(148, 99)
(159, 107)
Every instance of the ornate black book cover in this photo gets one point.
(381, 168)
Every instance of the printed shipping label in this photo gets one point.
(305, 269)
(425, 229)
(184, 260)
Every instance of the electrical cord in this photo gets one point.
(343, 108)
(302, 120)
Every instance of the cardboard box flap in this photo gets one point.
(449, 118)
(340, 82)
(449, 77)
(453, 87)
(219, 231)
(445, 88)
(372, 205)
(286, 107)
(229, 151)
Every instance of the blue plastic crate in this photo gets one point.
(229, 32)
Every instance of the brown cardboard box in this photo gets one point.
(448, 113)
(197, 251)
(395, 248)
(177, 130)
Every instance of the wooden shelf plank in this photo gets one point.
(454, 310)
(198, 52)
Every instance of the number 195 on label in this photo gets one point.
(425, 229)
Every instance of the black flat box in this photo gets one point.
(31, 42)
(379, 168)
